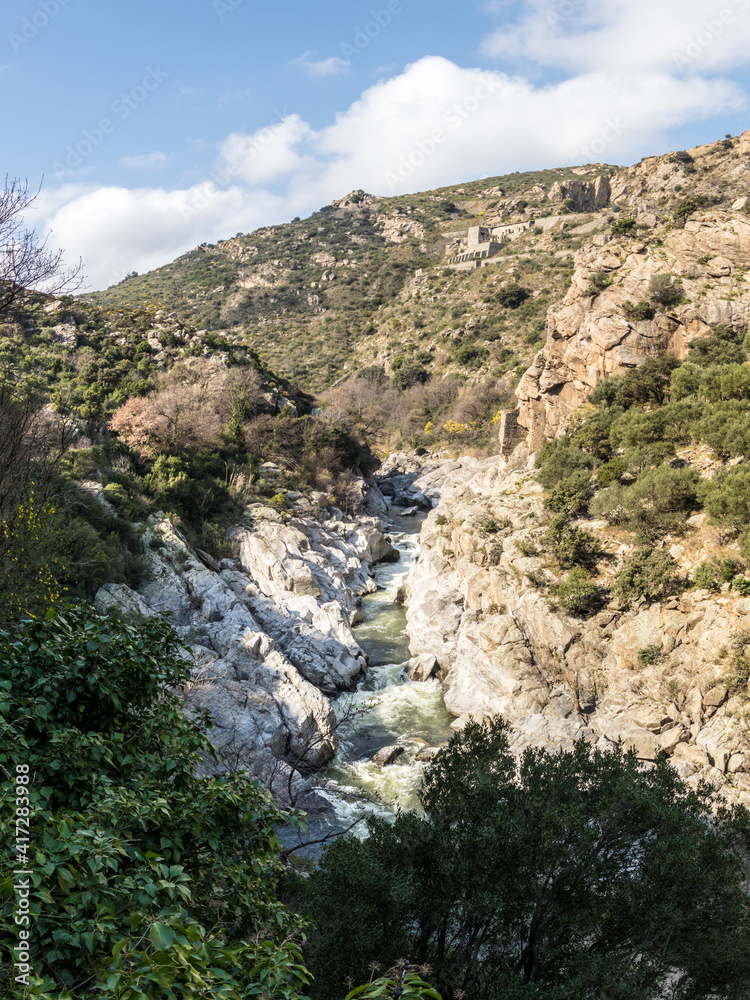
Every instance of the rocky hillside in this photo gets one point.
(484, 617)
(364, 282)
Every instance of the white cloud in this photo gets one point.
(435, 123)
(327, 67)
(323, 67)
(628, 36)
(146, 161)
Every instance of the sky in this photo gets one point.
(156, 125)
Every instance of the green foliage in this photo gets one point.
(470, 355)
(578, 593)
(402, 981)
(571, 494)
(681, 156)
(657, 503)
(742, 585)
(410, 373)
(638, 311)
(512, 296)
(623, 227)
(665, 291)
(649, 574)
(150, 880)
(689, 206)
(571, 546)
(649, 384)
(558, 460)
(610, 472)
(705, 577)
(541, 879)
(650, 654)
(599, 281)
(726, 497)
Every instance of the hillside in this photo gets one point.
(364, 282)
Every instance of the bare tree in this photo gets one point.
(26, 260)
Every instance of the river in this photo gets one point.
(387, 708)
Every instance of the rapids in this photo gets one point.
(387, 708)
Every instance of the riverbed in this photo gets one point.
(387, 708)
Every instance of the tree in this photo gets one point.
(26, 261)
(156, 880)
(575, 874)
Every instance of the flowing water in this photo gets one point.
(387, 708)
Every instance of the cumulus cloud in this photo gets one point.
(432, 124)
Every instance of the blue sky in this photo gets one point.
(159, 125)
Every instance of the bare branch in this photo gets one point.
(26, 260)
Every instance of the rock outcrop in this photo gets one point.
(481, 612)
(270, 635)
(589, 336)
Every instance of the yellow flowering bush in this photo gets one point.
(29, 571)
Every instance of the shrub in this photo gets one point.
(441, 519)
(558, 460)
(706, 577)
(571, 546)
(592, 837)
(650, 574)
(526, 548)
(637, 311)
(611, 472)
(599, 281)
(681, 156)
(571, 494)
(578, 593)
(654, 505)
(726, 498)
(158, 880)
(650, 654)
(688, 206)
(665, 291)
(742, 585)
(512, 296)
(623, 227)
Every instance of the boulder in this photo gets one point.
(387, 755)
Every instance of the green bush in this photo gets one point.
(610, 472)
(742, 585)
(571, 494)
(638, 311)
(571, 546)
(726, 498)
(656, 504)
(155, 880)
(558, 461)
(623, 227)
(706, 577)
(512, 296)
(578, 593)
(665, 291)
(650, 654)
(563, 865)
(650, 574)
